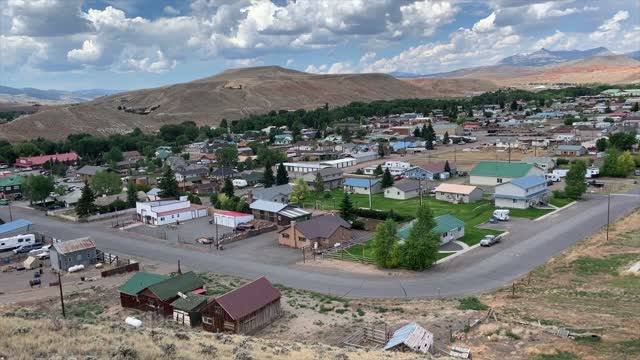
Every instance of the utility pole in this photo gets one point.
(370, 199)
(420, 190)
(10, 214)
(61, 297)
(608, 212)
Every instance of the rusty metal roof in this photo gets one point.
(248, 298)
(70, 246)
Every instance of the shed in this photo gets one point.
(498, 172)
(70, 253)
(231, 218)
(186, 309)
(411, 337)
(158, 297)
(131, 288)
(32, 262)
(244, 310)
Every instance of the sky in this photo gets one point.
(130, 44)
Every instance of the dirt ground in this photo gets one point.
(466, 160)
(585, 289)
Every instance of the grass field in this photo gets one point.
(357, 251)
(530, 213)
(559, 202)
(472, 214)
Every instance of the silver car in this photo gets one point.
(489, 240)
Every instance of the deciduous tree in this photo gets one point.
(300, 191)
(420, 249)
(575, 185)
(385, 240)
(106, 183)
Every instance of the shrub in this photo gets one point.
(562, 161)
(357, 225)
(471, 303)
(380, 215)
(558, 194)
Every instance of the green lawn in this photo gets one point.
(559, 202)
(471, 214)
(356, 251)
(530, 213)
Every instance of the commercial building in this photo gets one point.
(493, 173)
(36, 162)
(164, 212)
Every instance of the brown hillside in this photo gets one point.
(232, 94)
(453, 87)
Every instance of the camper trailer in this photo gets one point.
(239, 183)
(552, 177)
(17, 241)
(592, 172)
(501, 214)
(560, 172)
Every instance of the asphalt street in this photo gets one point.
(476, 271)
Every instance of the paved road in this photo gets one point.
(483, 269)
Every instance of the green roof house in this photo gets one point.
(447, 226)
(159, 296)
(139, 281)
(492, 173)
(11, 187)
(186, 309)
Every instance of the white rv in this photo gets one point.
(592, 172)
(552, 177)
(560, 172)
(501, 214)
(239, 183)
(17, 241)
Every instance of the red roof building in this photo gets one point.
(38, 161)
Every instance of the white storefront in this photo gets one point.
(231, 218)
(169, 211)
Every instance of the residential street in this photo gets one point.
(482, 269)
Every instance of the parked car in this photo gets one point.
(244, 227)
(637, 173)
(4, 201)
(205, 241)
(489, 240)
(26, 248)
(44, 249)
(4, 166)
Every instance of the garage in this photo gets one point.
(231, 218)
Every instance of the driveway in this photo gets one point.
(526, 247)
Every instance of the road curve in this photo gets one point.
(528, 246)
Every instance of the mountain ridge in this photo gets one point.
(29, 94)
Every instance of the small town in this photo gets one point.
(496, 222)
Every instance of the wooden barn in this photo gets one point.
(139, 281)
(186, 309)
(244, 310)
(159, 296)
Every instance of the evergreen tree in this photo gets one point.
(387, 179)
(385, 240)
(635, 107)
(381, 150)
(168, 184)
(378, 171)
(282, 177)
(514, 105)
(420, 250)
(227, 188)
(318, 184)
(346, 208)
(575, 185)
(85, 205)
(132, 196)
(268, 179)
(416, 132)
(445, 138)
(447, 167)
(429, 137)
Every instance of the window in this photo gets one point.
(398, 192)
(20, 240)
(285, 235)
(207, 320)
(301, 238)
(515, 201)
(499, 180)
(445, 234)
(161, 219)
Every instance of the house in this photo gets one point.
(244, 310)
(437, 170)
(449, 227)
(131, 288)
(364, 156)
(406, 143)
(498, 172)
(360, 184)
(403, 190)
(521, 193)
(331, 178)
(252, 177)
(176, 163)
(411, 337)
(278, 193)
(162, 212)
(223, 172)
(395, 168)
(187, 307)
(159, 296)
(70, 253)
(545, 163)
(319, 232)
(455, 193)
(70, 199)
(88, 171)
(276, 212)
(36, 162)
(570, 150)
(231, 218)
(283, 139)
(154, 194)
(190, 173)
(11, 187)
(129, 159)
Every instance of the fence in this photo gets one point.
(121, 269)
(108, 258)
(342, 253)
(367, 337)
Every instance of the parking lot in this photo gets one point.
(185, 233)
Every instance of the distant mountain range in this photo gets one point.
(52, 96)
(540, 58)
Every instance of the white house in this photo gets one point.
(395, 167)
(455, 193)
(403, 190)
(169, 211)
(231, 218)
(521, 193)
(303, 167)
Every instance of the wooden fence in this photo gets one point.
(108, 258)
(368, 337)
(341, 253)
(121, 269)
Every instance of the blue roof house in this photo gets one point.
(362, 185)
(522, 192)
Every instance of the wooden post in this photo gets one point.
(529, 279)
(61, 297)
(513, 289)
(303, 259)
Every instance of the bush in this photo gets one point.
(357, 225)
(558, 194)
(380, 215)
(562, 161)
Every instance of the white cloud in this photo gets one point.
(486, 24)
(158, 64)
(21, 51)
(610, 28)
(290, 62)
(170, 10)
(550, 40)
(89, 52)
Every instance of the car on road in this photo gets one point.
(489, 240)
(4, 201)
(27, 248)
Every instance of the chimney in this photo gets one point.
(249, 197)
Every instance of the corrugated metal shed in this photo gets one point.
(270, 206)
(293, 212)
(70, 246)
(14, 225)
